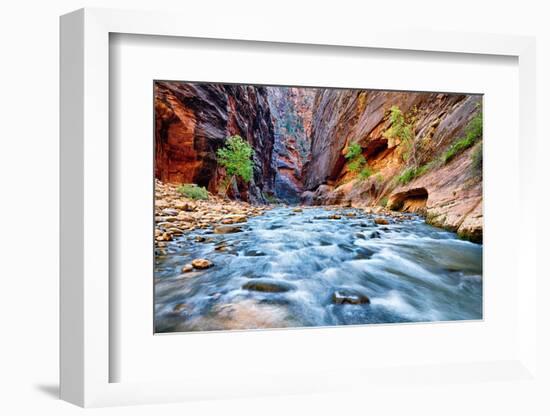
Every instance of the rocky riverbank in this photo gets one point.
(176, 215)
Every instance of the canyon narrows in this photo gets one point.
(361, 206)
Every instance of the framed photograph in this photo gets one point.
(297, 212)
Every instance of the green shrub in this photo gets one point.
(353, 151)
(477, 159)
(407, 175)
(355, 160)
(190, 190)
(356, 164)
(236, 158)
(384, 202)
(402, 130)
(474, 130)
(425, 168)
(379, 178)
(365, 173)
(413, 172)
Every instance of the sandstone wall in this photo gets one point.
(291, 110)
(192, 121)
(453, 191)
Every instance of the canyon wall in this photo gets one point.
(300, 137)
(448, 193)
(291, 110)
(192, 121)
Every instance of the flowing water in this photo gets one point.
(287, 269)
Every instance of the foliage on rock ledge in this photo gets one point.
(356, 162)
(236, 158)
(474, 131)
(190, 190)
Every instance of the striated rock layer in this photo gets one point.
(192, 121)
(301, 135)
(450, 195)
(291, 110)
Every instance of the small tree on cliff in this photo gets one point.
(356, 162)
(402, 129)
(236, 158)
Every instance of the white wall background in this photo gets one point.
(29, 207)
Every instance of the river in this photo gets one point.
(298, 269)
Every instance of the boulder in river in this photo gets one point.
(268, 286)
(201, 263)
(180, 307)
(381, 221)
(187, 268)
(297, 210)
(227, 229)
(349, 296)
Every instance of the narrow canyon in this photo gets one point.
(301, 137)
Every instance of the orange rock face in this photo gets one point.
(192, 121)
(300, 137)
(450, 195)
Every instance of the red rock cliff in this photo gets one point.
(192, 121)
(450, 194)
(291, 110)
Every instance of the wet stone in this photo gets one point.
(254, 253)
(363, 254)
(268, 286)
(350, 297)
(227, 229)
(180, 307)
(381, 221)
(202, 263)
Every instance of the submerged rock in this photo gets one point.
(375, 234)
(363, 254)
(180, 307)
(349, 296)
(268, 286)
(254, 253)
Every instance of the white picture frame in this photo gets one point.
(85, 211)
